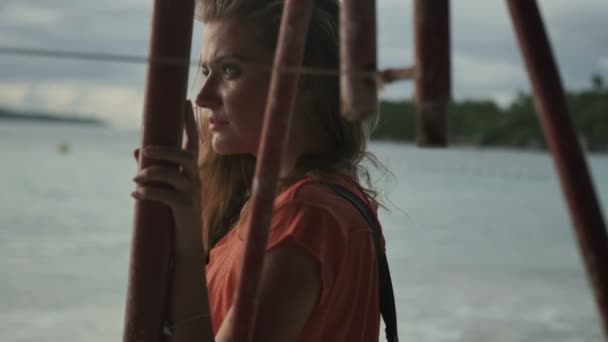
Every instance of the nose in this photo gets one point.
(209, 96)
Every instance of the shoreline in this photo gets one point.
(34, 118)
(6, 115)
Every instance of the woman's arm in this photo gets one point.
(290, 287)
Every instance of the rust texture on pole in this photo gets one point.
(433, 70)
(358, 94)
(279, 107)
(563, 142)
(165, 95)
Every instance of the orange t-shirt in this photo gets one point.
(337, 236)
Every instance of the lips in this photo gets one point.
(216, 122)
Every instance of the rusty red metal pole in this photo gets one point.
(564, 145)
(279, 107)
(358, 59)
(165, 95)
(433, 86)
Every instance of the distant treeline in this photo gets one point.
(485, 123)
(6, 114)
(470, 122)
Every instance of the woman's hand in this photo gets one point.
(174, 181)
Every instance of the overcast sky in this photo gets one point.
(486, 62)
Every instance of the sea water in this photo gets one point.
(479, 242)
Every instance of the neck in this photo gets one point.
(292, 166)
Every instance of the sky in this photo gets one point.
(486, 60)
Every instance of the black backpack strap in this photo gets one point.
(387, 297)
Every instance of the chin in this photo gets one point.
(225, 145)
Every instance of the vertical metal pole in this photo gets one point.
(433, 70)
(564, 145)
(279, 108)
(358, 57)
(165, 95)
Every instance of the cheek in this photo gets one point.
(244, 103)
(246, 108)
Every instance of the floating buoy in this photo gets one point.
(63, 148)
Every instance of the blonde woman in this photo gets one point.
(320, 277)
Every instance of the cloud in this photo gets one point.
(13, 95)
(120, 106)
(486, 58)
(88, 26)
(473, 75)
(603, 63)
(24, 14)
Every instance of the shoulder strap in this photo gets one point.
(387, 297)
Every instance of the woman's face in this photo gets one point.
(234, 91)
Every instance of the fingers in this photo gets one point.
(166, 185)
(165, 176)
(191, 130)
(168, 197)
(185, 159)
(169, 185)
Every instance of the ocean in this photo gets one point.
(479, 241)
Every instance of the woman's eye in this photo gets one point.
(231, 71)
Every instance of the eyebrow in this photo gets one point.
(222, 58)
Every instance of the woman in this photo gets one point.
(320, 279)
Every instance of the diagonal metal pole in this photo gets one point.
(568, 157)
(165, 95)
(279, 108)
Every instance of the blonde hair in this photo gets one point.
(227, 178)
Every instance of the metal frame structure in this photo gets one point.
(166, 91)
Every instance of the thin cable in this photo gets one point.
(91, 56)
(382, 77)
